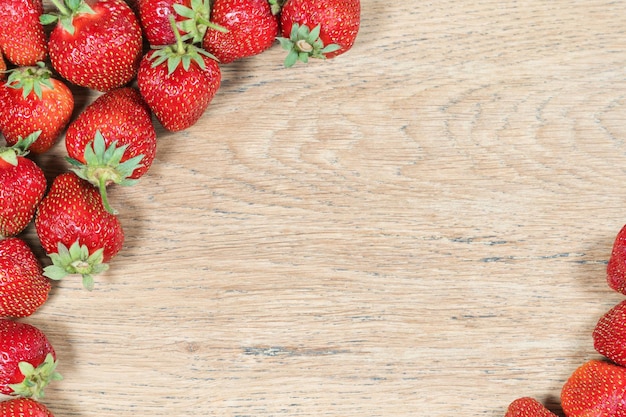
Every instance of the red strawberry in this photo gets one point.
(616, 269)
(121, 120)
(96, 43)
(609, 335)
(318, 29)
(32, 100)
(527, 407)
(28, 362)
(23, 288)
(22, 186)
(178, 82)
(597, 388)
(192, 18)
(26, 407)
(251, 29)
(3, 67)
(22, 36)
(75, 230)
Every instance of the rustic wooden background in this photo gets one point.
(419, 227)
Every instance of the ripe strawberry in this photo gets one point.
(609, 335)
(3, 67)
(596, 388)
(192, 18)
(318, 29)
(96, 43)
(22, 185)
(251, 29)
(22, 36)
(178, 82)
(32, 100)
(109, 139)
(616, 268)
(527, 407)
(75, 230)
(28, 362)
(23, 288)
(26, 407)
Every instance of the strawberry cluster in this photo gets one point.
(598, 387)
(151, 62)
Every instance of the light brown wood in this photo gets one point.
(419, 227)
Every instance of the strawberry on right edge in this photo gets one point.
(596, 388)
(616, 268)
(316, 29)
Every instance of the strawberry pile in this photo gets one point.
(151, 62)
(598, 387)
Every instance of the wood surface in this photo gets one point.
(419, 227)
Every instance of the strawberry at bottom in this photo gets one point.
(28, 360)
(528, 407)
(595, 389)
(23, 407)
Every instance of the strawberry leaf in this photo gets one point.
(76, 260)
(36, 378)
(103, 166)
(303, 44)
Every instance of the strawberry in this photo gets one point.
(192, 18)
(23, 288)
(251, 29)
(22, 36)
(616, 268)
(178, 82)
(527, 407)
(609, 335)
(109, 139)
(596, 388)
(26, 407)
(32, 100)
(28, 362)
(23, 185)
(95, 43)
(75, 230)
(3, 67)
(315, 29)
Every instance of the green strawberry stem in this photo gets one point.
(179, 52)
(197, 20)
(103, 166)
(36, 379)
(30, 79)
(304, 43)
(68, 9)
(61, 6)
(9, 154)
(76, 260)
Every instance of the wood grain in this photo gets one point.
(419, 227)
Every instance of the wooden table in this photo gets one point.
(419, 227)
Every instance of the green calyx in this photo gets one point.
(197, 20)
(304, 43)
(179, 53)
(10, 154)
(103, 166)
(36, 378)
(276, 6)
(68, 9)
(30, 79)
(76, 260)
